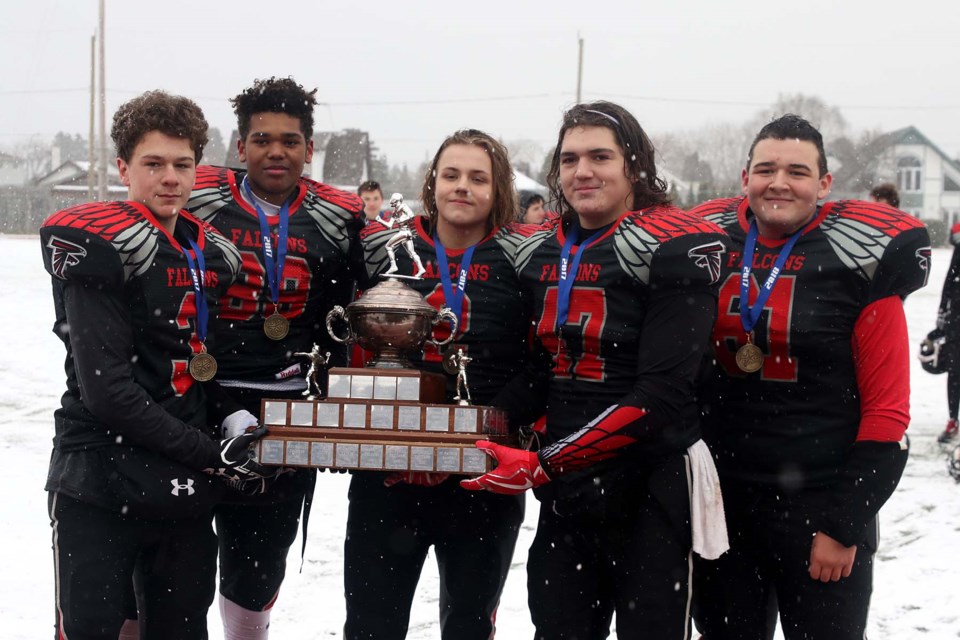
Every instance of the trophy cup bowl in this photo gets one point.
(390, 320)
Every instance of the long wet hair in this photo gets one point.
(504, 208)
(638, 153)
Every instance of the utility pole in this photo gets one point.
(90, 140)
(103, 109)
(579, 65)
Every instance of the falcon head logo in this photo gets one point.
(63, 254)
(923, 260)
(707, 256)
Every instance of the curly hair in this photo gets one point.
(175, 116)
(504, 208)
(275, 95)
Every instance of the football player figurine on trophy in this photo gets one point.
(403, 217)
(317, 362)
(458, 362)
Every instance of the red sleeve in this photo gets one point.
(881, 352)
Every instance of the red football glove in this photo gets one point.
(517, 470)
(419, 478)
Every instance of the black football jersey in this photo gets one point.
(494, 323)
(948, 315)
(126, 311)
(322, 254)
(624, 363)
(791, 423)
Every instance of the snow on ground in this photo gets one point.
(916, 586)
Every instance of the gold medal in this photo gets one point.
(749, 358)
(276, 327)
(203, 367)
(450, 364)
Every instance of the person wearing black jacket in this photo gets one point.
(137, 464)
(948, 321)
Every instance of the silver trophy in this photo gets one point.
(390, 321)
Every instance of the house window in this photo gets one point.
(909, 174)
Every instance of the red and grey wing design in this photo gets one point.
(344, 199)
(511, 235)
(211, 192)
(120, 226)
(886, 247)
(528, 246)
(374, 238)
(338, 214)
(860, 232)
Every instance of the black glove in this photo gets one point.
(238, 460)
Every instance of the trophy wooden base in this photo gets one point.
(380, 419)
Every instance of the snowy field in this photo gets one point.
(917, 588)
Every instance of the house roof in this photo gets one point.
(71, 170)
(912, 135)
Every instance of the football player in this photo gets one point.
(808, 404)
(134, 284)
(299, 242)
(394, 519)
(623, 287)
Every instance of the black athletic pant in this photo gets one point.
(582, 569)
(98, 554)
(953, 391)
(770, 538)
(389, 531)
(255, 534)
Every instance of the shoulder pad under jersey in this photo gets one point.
(687, 248)
(529, 243)
(102, 242)
(722, 211)
(338, 214)
(885, 246)
(374, 239)
(211, 192)
(510, 235)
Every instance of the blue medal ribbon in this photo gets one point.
(453, 296)
(273, 267)
(196, 275)
(749, 314)
(568, 269)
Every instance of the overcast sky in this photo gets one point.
(412, 72)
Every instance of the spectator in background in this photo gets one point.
(372, 197)
(948, 321)
(531, 209)
(886, 193)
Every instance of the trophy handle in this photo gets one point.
(337, 312)
(445, 314)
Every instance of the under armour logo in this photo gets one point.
(177, 487)
(63, 254)
(707, 256)
(923, 258)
